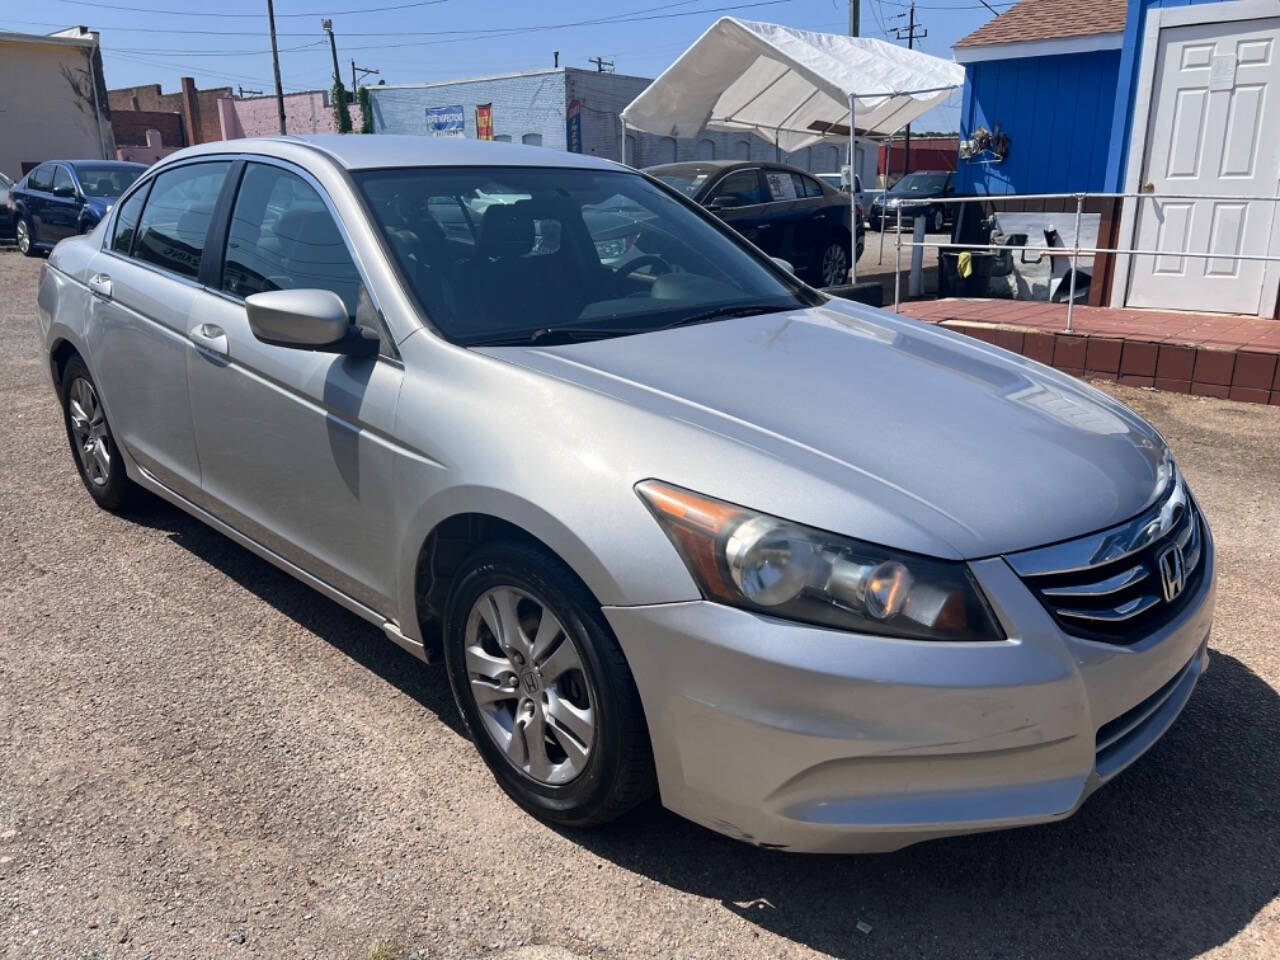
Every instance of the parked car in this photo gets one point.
(786, 212)
(823, 577)
(917, 194)
(62, 198)
(6, 209)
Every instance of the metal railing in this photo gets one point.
(1075, 250)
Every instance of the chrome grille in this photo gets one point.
(1110, 586)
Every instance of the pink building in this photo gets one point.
(307, 112)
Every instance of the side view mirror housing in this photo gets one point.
(64, 191)
(783, 265)
(307, 320)
(723, 203)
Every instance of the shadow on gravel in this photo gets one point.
(1171, 859)
(357, 638)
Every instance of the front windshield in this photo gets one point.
(522, 254)
(919, 183)
(106, 181)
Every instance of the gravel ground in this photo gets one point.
(203, 758)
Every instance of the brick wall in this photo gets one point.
(307, 112)
(149, 97)
(131, 127)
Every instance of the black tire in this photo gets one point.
(618, 773)
(111, 489)
(25, 236)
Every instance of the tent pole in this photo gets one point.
(853, 203)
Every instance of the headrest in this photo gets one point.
(507, 230)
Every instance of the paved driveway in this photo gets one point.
(199, 757)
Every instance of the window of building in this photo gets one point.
(532, 139)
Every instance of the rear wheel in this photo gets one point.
(544, 688)
(97, 456)
(26, 237)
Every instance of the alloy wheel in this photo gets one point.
(89, 427)
(24, 237)
(529, 685)
(835, 265)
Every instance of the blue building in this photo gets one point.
(1164, 97)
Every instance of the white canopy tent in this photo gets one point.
(791, 87)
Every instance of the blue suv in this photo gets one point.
(61, 198)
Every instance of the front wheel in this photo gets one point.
(26, 237)
(544, 688)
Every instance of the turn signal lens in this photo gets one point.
(748, 559)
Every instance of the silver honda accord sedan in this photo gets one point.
(820, 577)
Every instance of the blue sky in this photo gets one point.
(226, 43)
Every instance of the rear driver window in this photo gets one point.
(176, 217)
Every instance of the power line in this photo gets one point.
(279, 16)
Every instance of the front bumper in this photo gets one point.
(807, 739)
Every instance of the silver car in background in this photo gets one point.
(820, 577)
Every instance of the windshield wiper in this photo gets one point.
(552, 335)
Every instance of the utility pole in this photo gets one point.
(913, 33)
(275, 64)
(363, 71)
(327, 26)
(601, 63)
(855, 18)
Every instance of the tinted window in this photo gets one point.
(806, 186)
(107, 180)
(283, 237)
(744, 185)
(176, 217)
(41, 178)
(930, 183)
(62, 178)
(687, 178)
(519, 253)
(127, 222)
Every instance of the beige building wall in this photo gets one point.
(47, 103)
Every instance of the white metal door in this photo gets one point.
(1215, 112)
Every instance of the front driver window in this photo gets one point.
(62, 179)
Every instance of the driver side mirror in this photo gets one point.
(307, 320)
(725, 202)
(64, 191)
(784, 265)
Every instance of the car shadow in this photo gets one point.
(1173, 858)
(357, 638)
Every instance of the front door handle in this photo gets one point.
(210, 338)
(100, 284)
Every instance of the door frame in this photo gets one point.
(1228, 11)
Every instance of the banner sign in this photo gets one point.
(446, 121)
(573, 127)
(484, 121)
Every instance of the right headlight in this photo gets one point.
(772, 566)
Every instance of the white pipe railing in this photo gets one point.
(1076, 249)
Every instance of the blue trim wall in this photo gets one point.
(1135, 25)
(1057, 112)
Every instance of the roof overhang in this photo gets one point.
(1057, 47)
(89, 40)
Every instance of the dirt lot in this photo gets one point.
(199, 757)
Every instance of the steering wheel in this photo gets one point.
(659, 265)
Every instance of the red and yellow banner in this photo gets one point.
(484, 121)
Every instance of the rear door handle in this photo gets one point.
(210, 338)
(100, 284)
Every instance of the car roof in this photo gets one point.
(723, 165)
(381, 150)
(123, 164)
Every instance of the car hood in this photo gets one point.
(911, 435)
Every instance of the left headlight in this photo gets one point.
(748, 559)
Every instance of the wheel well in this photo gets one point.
(62, 352)
(440, 557)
